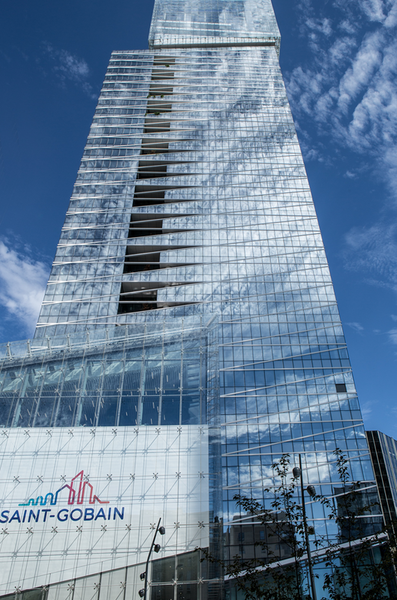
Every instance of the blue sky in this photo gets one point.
(339, 61)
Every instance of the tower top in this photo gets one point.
(195, 23)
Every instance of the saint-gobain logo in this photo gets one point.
(79, 491)
(75, 496)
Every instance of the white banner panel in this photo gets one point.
(76, 502)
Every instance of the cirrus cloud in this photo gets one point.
(70, 68)
(373, 250)
(348, 86)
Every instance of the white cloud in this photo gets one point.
(358, 76)
(373, 9)
(69, 67)
(73, 67)
(373, 250)
(340, 49)
(393, 336)
(356, 326)
(349, 88)
(347, 27)
(23, 282)
(391, 19)
(322, 26)
(366, 409)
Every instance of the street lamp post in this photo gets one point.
(297, 472)
(156, 548)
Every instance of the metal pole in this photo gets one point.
(309, 554)
(148, 559)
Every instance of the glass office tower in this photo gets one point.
(189, 334)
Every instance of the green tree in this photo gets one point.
(275, 572)
(360, 562)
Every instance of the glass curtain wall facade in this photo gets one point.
(383, 450)
(191, 213)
